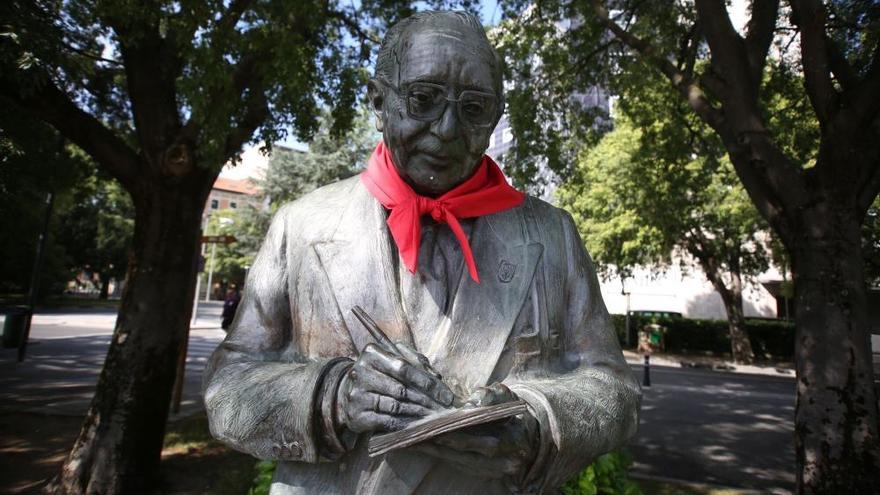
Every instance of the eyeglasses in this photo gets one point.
(427, 102)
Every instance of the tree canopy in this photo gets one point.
(815, 200)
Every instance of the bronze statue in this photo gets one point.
(484, 307)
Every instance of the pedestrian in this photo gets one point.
(230, 305)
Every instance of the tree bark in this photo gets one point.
(105, 287)
(836, 430)
(740, 345)
(119, 447)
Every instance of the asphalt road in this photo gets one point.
(719, 428)
(711, 427)
(66, 352)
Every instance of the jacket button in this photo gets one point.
(296, 451)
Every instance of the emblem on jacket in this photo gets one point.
(506, 271)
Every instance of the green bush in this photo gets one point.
(606, 476)
(263, 480)
(771, 339)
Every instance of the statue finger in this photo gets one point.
(382, 422)
(383, 384)
(384, 404)
(404, 372)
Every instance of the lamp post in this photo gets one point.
(223, 223)
(627, 294)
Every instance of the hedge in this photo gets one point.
(771, 339)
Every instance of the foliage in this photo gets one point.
(329, 158)
(33, 162)
(97, 230)
(645, 195)
(644, 190)
(291, 173)
(263, 480)
(249, 225)
(771, 339)
(606, 476)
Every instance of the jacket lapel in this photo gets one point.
(360, 270)
(467, 347)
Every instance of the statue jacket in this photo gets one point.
(536, 322)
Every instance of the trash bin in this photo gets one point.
(13, 326)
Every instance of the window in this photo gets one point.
(215, 204)
(233, 205)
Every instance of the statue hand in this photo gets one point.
(383, 392)
(501, 450)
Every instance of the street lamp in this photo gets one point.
(626, 293)
(224, 222)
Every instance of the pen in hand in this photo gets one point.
(388, 345)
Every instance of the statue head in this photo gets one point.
(437, 96)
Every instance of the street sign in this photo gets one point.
(218, 239)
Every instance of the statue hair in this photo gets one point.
(394, 44)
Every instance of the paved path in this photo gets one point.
(66, 353)
(721, 428)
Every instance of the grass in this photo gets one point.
(194, 462)
(33, 446)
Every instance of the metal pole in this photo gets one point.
(192, 321)
(646, 382)
(627, 320)
(210, 272)
(35, 276)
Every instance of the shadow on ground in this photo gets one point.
(724, 429)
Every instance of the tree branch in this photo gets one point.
(865, 99)
(353, 26)
(692, 93)
(89, 55)
(809, 16)
(730, 57)
(51, 105)
(760, 34)
(233, 14)
(242, 79)
(255, 114)
(152, 66)
(840, 67)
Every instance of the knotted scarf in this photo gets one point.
(486, 192)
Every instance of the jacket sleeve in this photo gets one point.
(261, 393)
(590, 404)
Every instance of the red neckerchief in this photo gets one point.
(486, 192)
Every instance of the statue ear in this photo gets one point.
(376, 96)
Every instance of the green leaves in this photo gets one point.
(606, 476)
(329, 158)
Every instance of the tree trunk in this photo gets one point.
(837, 447)
(119, 447)
(105, 287)
(740, 345)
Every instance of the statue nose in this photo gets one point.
(447, 126)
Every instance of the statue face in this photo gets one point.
(438, 118)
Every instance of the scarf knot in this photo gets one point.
(437, 209)
(484, 193)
